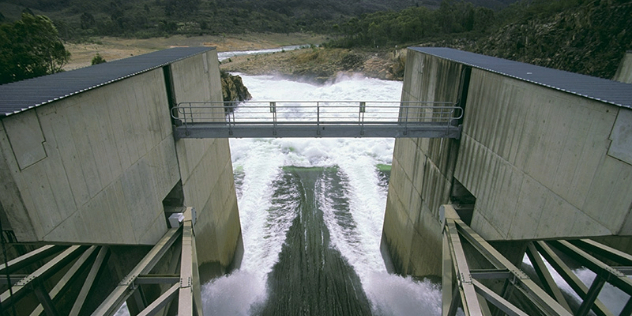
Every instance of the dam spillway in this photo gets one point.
(413, 203)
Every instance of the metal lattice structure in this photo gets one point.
(501, 289)
(185, 285)
(317, 119)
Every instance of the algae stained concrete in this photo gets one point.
(421, 176)
(206, 167)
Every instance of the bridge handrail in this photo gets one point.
(317, 112)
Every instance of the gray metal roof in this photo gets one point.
(604, 90)
(23, 95)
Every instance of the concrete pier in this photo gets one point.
(536, 160)
(88, 156)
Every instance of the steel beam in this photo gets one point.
(413, 130)
(28, 258)
(469, 299)
(45, 300)
(611, 275)
(126, 287)
(190, 299)
(525, 285)
(591, 296)
(497, 300)
(158, 279)
(161, 301)
(627, 309)
(482, 274)
(45, 271)
(87, 284)
(545, 276)
(447, 279)
(565, 272)
(609, 253)
(13, 278)
(66, 278)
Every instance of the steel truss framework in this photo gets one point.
(470, 288)
(73, 259)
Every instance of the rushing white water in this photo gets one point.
(260, 161)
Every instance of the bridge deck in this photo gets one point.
(317, 119)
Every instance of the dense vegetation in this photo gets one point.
(30, 47)
(77, 19)
(584, 36)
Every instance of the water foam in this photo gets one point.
(357, 159)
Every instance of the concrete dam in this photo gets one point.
(101, 204)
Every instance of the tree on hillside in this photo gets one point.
(29, 48)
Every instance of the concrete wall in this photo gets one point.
(421, 175)
(205, 166)
(92, 168)
(95, 167)
(541, 163)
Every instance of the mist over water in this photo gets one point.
(312, 212)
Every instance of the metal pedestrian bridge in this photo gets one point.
(269, 119)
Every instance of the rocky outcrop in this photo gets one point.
(233, 88)
(321, 64)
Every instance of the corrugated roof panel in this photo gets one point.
(604, 90)
(22, 95)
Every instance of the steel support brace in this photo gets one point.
(66, 278)
(610, 253)
(545, 276)
(447, 279)
(87, 284)
(525, 285)
(190, 298)
(127, 286)
(611, 275)
(26, 259)
(45, 271)
(573, 281)
(593, 292)
(469, 299)
(161, 301)
(497, 300)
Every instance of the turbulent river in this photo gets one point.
(311, 215)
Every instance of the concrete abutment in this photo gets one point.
(531, 163)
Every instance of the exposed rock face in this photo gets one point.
(321, 65)
(233, 88)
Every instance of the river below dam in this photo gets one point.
(311, 213)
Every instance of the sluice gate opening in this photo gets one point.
(262, 119)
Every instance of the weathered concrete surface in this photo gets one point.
(537, 161)
(95, 167)
(421, 175)
(92, 168)
(624, 72)
(205, 166)
(541, 163)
